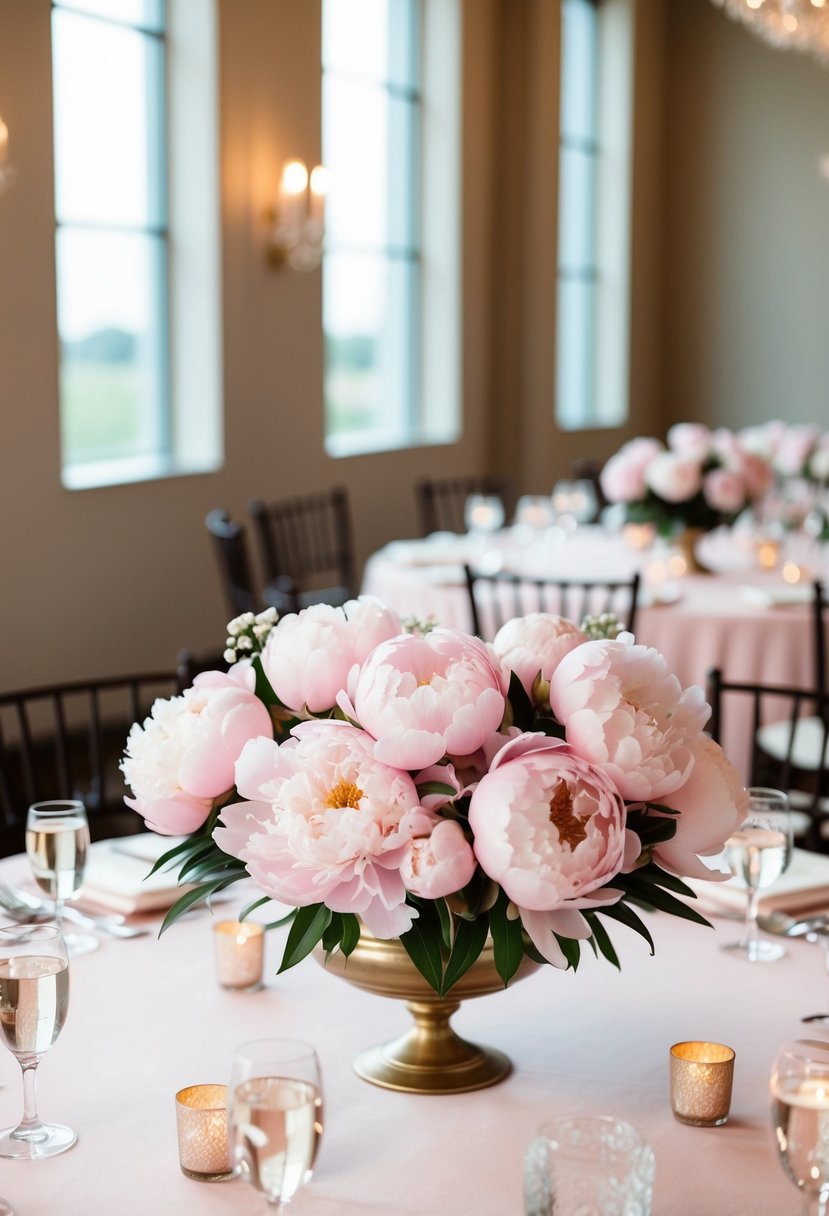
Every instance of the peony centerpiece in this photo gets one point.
(435, 789)
(698, 479)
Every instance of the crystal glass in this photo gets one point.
(275, 1113)
(57, 841)
(588, 1166)
(34, 996)
(758, 852)
(584, 505)
(800, 1117)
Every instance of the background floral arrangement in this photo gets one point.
(702, 478)
(437, 789)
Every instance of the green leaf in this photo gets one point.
(421, 943)
(435, 787)
(197, 856)
(191, 898)
(283, 920)
(652, 874)
(447, 924)
(602, 940)
(257, 903)
(523, 713)
(470, 938)
(351, 933)
(507, 940)
(333, 935)
(263, 688)
(309, 925)
(652, 830)
(625, 915)
(571, 949)
(654, 897)
(185, 847)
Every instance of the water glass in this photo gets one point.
(800, 1118)
(57, 842)
(592, 1165)
(758, 853)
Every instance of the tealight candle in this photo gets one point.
(792, 573)
(701, 1079)
(638, 536)
(239, 948)
(768, 552)
(203, 1136)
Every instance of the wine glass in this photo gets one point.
(34, 997)
(483, 513)
(759, 851)
(275, 1115)
(800, 1116)
(57, 841)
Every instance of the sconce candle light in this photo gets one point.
(7, 170)
(297, 223)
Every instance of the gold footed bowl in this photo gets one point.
(431, 1058)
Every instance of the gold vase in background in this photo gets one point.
(431, 1058)
(685, 543)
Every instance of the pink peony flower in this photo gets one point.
(690, 439)
(791, 455)
(438, 864)
(755, 472)
(674, 477)
(712, 804)
(182, 759)
(623, 710)
(327, 822)
(424, 697)
(309, 654)
(533, 645)
(548, 826)
(819, 461)
(724, 491)
(623, 476)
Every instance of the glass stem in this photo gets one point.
(31, 1119)
(59, 912)
(750, 929)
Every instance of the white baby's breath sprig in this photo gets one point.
(417, 626)
(248, 633)
(601, 626)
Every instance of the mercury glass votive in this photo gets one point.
(701, 1079)
(203, 1137)
(239, 950)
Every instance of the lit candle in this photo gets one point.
(638, 536)
(203, 1136)
(792, 573)
(767, 553)
(292, 187)
(239, 949)
(4, 142)
(701, 1078)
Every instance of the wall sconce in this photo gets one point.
(297, 223)
(7, 171)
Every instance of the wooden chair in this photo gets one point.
(306, 548)
(441, 501)
(800, 765)
(230, 549)
(65, 741)
(495, 599)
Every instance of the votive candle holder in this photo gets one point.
(203, 1136)
(702, 1074)
(239, 952)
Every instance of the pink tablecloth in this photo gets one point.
(147, 1018)
(711, 620)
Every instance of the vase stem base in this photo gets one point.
(432, 1059)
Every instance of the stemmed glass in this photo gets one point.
(759, 851)
(483, 513)
(800, 1116)
(275, 1116)
(57, 841)
(34, 997)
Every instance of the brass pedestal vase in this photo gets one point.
(431, 1058)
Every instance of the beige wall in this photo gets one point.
(746, 333)
(108, 580)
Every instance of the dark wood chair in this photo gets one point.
(65, 741)
(800, 717)
(441, 501)
(306, 548)
(235, 571)
(497, 598)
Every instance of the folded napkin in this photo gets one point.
(771, 596)
(803, 887)
(115, 876)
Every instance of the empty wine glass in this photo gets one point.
(758, 852)
(34, 997)
(275, 1115)
(57, 841)
(800, 1117)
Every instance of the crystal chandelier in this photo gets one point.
(801, 25)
